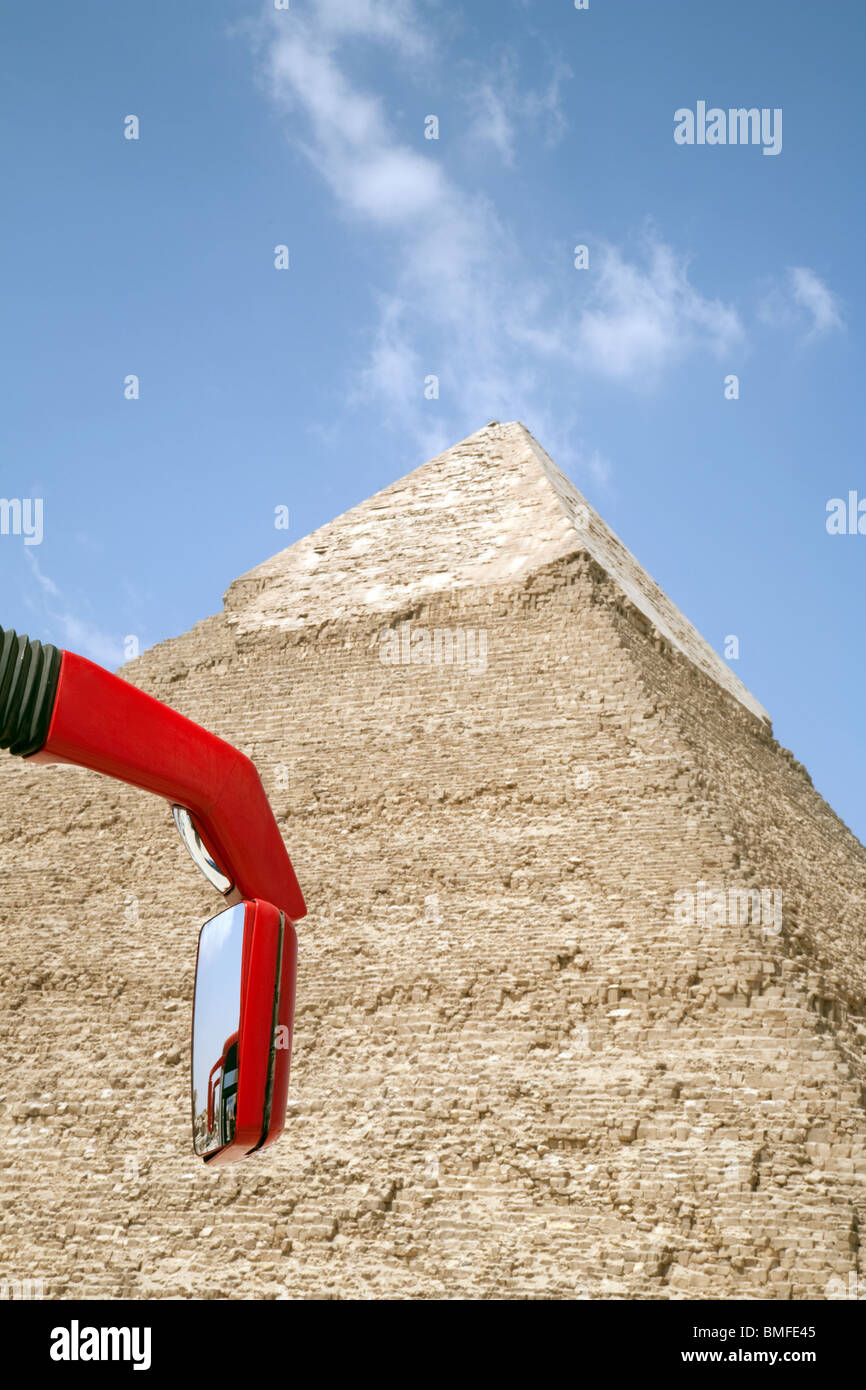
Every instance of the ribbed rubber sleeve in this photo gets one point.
(29, 673)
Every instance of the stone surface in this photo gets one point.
(486, 513)
(516, 1072)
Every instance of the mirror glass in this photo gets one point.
(215, 1024)
(193, 841)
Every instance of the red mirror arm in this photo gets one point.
(57, 707)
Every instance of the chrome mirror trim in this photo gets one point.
(199, 855)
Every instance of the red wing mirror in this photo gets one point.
(56, 707)
(242, 1030)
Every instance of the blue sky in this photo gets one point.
(454, 257)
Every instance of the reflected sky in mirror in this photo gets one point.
(216, 1019)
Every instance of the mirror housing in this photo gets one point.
(59, 708)
(242, 1030)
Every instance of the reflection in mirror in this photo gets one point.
(215, 1024)
(200, 856)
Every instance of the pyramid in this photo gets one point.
(487, 513)
(582, 987)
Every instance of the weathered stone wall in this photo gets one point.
(489, 511)
(514, 1073)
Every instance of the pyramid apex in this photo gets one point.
(487, 512)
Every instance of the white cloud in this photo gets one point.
(492, 124)
(812, 294)
(77, 633)
(640, 320)
(801, 303)
(81, 635)
(390, 21)
(458, 298)
(45, 584)
(546, 106)
(599, 467)
(499, 105)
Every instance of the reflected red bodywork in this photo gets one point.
(101, 722)
(219, 1065)
(261, 1031)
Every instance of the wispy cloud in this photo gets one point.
(500, 107)
(394, 22)
(599, 466)
(492, 124)
(812, 294)
(44, 583)
(640, 319)
(75, 632)
(802, 303)
(459, 299)
(347, 134)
